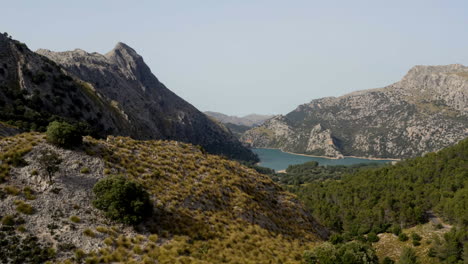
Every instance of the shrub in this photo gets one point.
(372, 237)
(351, 252)
(63, 134)
(388, 260)
(336, 239)
(408, 256)
(8, 220)
(122, 199)
(416, 237)
(11, 190)
(23, 207)
(75, 219)
(89, 232)
(29, 193)
(403, 237)
(85, 170)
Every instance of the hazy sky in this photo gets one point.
(241, 57)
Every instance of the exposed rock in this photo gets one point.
(115, 93)
(426, 111)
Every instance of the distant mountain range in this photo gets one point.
(248, 120)
(426, 111)
(115, 93)
(238, 125)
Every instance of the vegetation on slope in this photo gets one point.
(206, 209)
(372, 201)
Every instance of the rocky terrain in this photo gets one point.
(207, 209)
(111, 94)
(425, 111)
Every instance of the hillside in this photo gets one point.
(206, 209)
(426, 111)
(111, 94)
(405, 195)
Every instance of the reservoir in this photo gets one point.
(278, 160)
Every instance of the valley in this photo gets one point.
(101, 163)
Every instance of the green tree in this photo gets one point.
(323, 254)
(122, 200)
(63, 134)
(49, 161)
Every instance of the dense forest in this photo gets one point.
(367, 201)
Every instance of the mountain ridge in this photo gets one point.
(115, 93)
(425, 111)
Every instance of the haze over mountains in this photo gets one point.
(248, 120)
(426, 111)
(115, 93)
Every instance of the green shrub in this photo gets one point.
(64, 135)
(23, 207)
(12, 190)
(387, 260)
(372, 237)
(403, 237)
(75, 219)
(408, 256)
(89, 232)
(8, 220)
(416, 237)
(122, 199)
(351, 252)
(85, 170)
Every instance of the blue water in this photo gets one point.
(278, 160)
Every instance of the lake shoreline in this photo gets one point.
(332, 158)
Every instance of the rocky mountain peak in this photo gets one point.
(123, 52)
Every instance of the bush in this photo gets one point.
(89, 232)
(64, 135)
(416, 237)
(75, 219)
(388, 260)
(403, 237)
(351, 252)
(23, 207)
(408, 256)
(122, 199)
(372, 237)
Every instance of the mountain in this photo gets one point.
(425, 111)
(238, 125)
(206, 209)
(248, 120)
(115, 94)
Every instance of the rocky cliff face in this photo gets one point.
(115, 93)
(425, 111)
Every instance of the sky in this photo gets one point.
(252, 56)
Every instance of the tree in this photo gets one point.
(122, 200)
(349, 253)
(408, 256)
(49, 162)
(64, 135)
